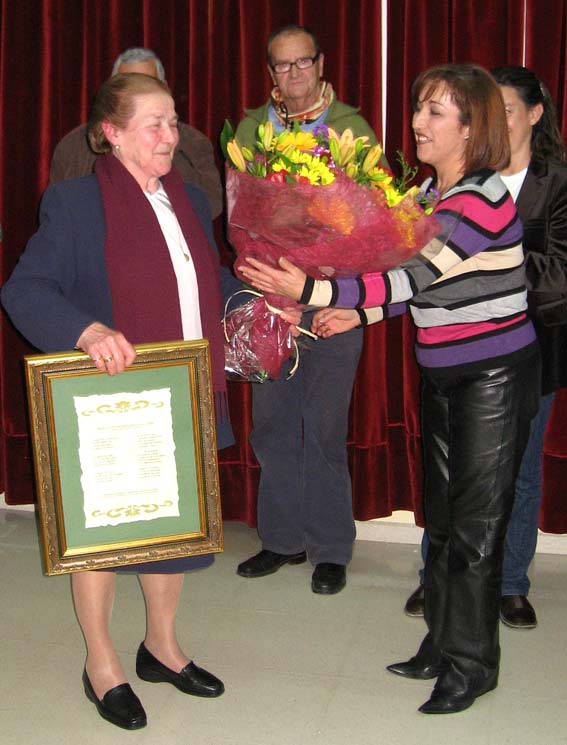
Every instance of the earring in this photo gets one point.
(117, 148)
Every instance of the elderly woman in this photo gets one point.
(479, 360)
(122, 257)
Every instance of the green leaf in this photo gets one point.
(227, 134)
(408, 173)
(286, 161)
(334, 149)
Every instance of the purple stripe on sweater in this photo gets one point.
(476, 350)
(469, 239)
(348, 293)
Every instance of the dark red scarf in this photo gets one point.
(143, 286)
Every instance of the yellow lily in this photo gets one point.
(333, 135)
(347, 146)
(351, 171)
(267, 136)
(235, 154)
(371, 158)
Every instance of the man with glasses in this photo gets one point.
(193, 157)
(300, 425)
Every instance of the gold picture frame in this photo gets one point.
(98, 444)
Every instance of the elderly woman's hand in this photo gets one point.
(288, 281)
(293, 317)
(331, 321)
(109, 350)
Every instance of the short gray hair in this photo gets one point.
(138, 54)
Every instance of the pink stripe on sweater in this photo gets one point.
(375, 290)
(482, 214)
(440, 334)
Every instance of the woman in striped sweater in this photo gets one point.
(479, 361)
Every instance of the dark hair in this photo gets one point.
(290, 30)
(477, 96)
(546, 143)
(115, 102)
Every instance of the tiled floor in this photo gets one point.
(299, 669)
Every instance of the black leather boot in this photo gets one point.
(455, 692)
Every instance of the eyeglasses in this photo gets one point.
(303, 63)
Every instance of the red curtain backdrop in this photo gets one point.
(55, 53)
(546, 53)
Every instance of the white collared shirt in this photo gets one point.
(183, 265)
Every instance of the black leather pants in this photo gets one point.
(475, 428)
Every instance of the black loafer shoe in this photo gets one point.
(328, 578)
(517, 612)
(119, 705)
(415, 604)
(192, 679)
(268, 562)
(417, 669)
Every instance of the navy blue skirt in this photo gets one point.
(168, 566)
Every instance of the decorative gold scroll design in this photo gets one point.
(131, 510)
(122, 407)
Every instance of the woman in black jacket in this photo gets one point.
(537, 179)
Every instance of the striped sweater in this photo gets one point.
(466, 288)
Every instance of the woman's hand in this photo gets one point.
(288, 281)
(331, 321)
(293, 317)
(108, 348)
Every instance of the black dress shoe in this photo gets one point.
(517, 612)
(328, 578)
(119, 705)
(415, 604)
(268, 562)
(191, 679)
(418, 669)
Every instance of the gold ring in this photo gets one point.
(108, 359)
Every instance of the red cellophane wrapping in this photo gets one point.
(339, 230)
(257, 342)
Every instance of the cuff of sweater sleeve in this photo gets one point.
(307, 291)
(362, 316)
(369, 316)
(318, 293)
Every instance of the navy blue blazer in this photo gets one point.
(60, 284)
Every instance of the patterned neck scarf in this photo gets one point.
(286, 118)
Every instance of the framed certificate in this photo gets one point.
(126, 466)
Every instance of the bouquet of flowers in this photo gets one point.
(322, 200)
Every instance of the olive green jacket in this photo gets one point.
(341, 116)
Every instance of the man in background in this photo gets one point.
(301, 424)
(193, 156)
